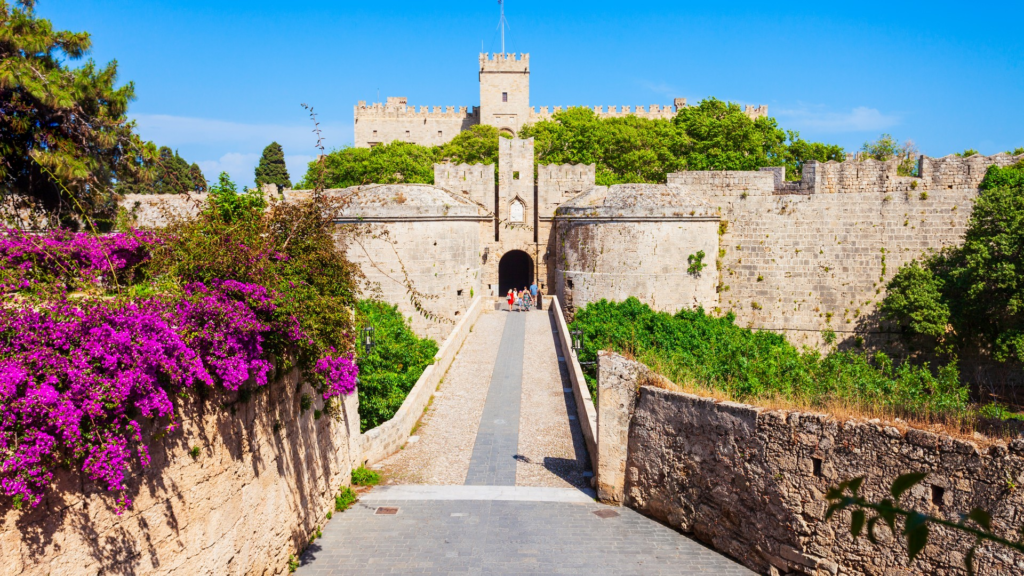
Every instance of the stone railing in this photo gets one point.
(585, 411)
(750, 481)
(378, 443)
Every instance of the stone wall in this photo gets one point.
(473, 181)
(635, 240)
(421, 236)
(817, 254)
(557, 183)
(750, 481)
(265, 477)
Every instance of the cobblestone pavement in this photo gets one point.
(447, 433)
(504, 537)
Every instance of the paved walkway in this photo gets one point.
(496, 480)
(497, 439)
(539, 535)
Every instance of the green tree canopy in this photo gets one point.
(169, 173)
(272, 169)
(980, 283)
(59, 123)
(888, 148)
(478, 145)
(714, 135)
(394, 163)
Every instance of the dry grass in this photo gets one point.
(982, 433)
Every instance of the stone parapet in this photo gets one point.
(585, 410)
(750, 481)
(380, 442)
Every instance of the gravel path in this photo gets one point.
(551, 446)
(446, 435)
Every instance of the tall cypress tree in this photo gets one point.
(271, 169)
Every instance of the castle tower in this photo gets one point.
(516, 203)
(505, 91)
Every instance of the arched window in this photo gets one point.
(517, 212)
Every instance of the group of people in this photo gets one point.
(523, 299)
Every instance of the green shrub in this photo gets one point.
(390, 370)
(364, 477)
(976, 289)
(691, 346)
(344, 499)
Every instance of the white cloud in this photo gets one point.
(177, 131)
(240, 166)
(661, 88)
(817, 118)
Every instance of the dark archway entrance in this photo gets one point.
(515, 270)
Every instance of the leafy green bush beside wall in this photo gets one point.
(693, 347)
(390, 370)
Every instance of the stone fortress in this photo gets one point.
(792, 257)
(504, 104)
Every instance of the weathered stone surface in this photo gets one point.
(250, 499)
(751, 482)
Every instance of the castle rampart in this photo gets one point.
(473, 181)
(557, 183)
(395, 120)
(654, 112)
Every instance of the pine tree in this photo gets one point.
(64, 134)
(271, 169)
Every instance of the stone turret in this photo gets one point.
(505, 91)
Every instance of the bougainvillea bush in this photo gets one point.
(100, 334)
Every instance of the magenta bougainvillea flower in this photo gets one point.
(78, 377)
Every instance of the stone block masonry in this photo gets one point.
(750, 481)
(265, 476)
(816, 255)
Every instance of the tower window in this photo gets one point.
(439, 133)
(504, 96)
(374, 133)
(406, 133)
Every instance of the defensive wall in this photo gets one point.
(418, 247)
(816, 254)
(264, 476)
(634, 240)
(396, 120)
(794, 257)
(750, 481)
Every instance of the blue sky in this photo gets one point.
(221, 80)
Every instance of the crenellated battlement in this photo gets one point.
(504, 62)
(473, 181)
(398, 108)
(583, 173)
(654, 112)
(949, 173)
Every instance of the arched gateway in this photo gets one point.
(515, 270)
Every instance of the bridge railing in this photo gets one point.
(585, 411)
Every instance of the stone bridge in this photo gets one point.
(496, 478)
